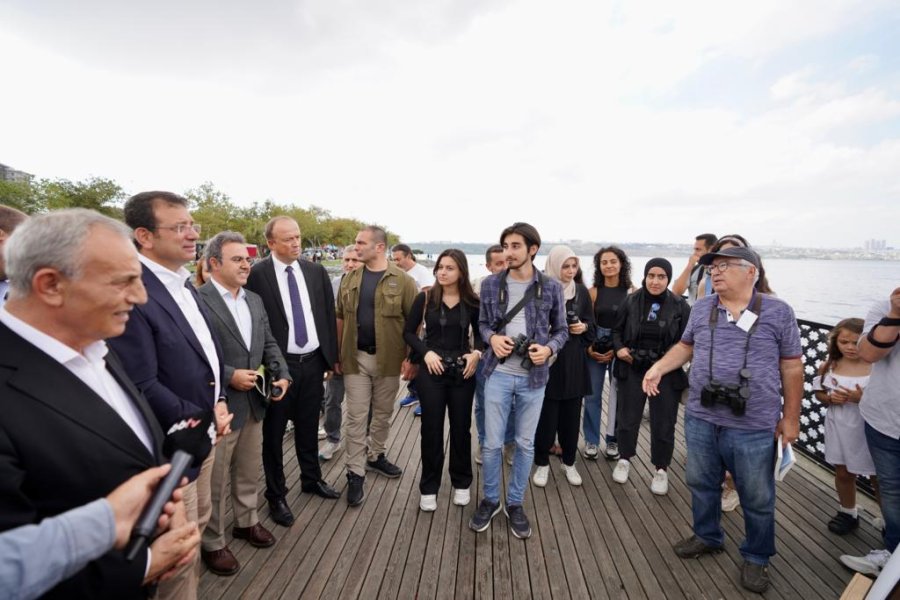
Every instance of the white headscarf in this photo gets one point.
(558, 256)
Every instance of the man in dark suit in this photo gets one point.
(300, 305)
(240, 321)
(169, 348)
(74, 427)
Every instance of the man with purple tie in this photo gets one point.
(299, 302)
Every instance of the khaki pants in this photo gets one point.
(198, 505)
(238, 458)
(364, 390)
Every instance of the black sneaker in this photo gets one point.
(356, 491)
(842, 523)
(384, 466)
(755, 577)
(694, 547)
(518, 521)
(486, 511)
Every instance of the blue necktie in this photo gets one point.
(300, 335)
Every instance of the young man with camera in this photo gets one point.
(523, 323)
(739, 340)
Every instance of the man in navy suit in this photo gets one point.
(169, 348)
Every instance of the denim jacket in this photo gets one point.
(545, 321)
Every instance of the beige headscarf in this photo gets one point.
(559, 255)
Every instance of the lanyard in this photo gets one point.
(714, 321)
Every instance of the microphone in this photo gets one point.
(187, 444)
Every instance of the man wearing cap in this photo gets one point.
(745, 348)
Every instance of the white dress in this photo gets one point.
(845, 436)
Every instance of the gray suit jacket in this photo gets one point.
(263, 351)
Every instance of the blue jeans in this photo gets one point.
(750, 457)
(479, 410)
(592, 404)
(502, 392)
(885, 453)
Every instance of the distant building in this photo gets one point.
(875, 245)
(10, 174)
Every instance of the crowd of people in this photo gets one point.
(110, 350)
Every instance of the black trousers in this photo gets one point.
(439, 395)
(559, 418)
(301, 404)
(663, 415)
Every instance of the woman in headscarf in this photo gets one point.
(569, 380)
(648, 323)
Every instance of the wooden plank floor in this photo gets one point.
(600, 540)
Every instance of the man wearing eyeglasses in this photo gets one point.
(746, 352)
(240, 321)
(169, 348)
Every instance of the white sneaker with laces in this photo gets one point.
(591, 451)
(660, 483)
(326, 452)
(870, 564)
(620, 473)
(540, 476)
(572, 475)
(730, 499)
(428, 502)
(461, 497)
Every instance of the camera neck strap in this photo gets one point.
(535, 290)
(714, 321)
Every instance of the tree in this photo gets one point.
(22, 195)
(103, 195)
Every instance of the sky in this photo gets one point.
(648, 121)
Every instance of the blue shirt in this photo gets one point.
(777, 337)
(545, 321)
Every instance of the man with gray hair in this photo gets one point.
(10, 218)
(240, 321)
(74, 282)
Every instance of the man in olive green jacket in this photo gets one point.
(372, 306)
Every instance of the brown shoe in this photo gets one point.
(257, 535)
(220, 562)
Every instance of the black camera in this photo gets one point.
(733, 396)
(602, 344)
(521, 343)
(572, 317)
(454, 366)
(643, 359)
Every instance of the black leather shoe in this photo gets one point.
(322, 489)
(281, 513)
(356, 491)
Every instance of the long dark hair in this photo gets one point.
(762, 284)
(624, 270)
(466, 293)
(852, 325)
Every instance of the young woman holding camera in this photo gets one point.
(649, 323)
(612, 283)
(569, 380)
(449, 313)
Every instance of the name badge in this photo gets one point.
(747, 320)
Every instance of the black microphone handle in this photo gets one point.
(146, 524)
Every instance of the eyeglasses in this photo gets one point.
(181, 227)
(723, 266)
(654, 310)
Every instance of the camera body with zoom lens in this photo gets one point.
(602, 344)
(734, 396)
(643, 359)
(454, 366)
(521, 343)
(572, 317)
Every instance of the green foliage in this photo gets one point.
(103, 195)
(22, 195)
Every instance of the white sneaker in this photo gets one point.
(461, 497)
(870, 564)
(322, 434)
(328, 449)
(660, 483)
(620, 473)
(730, 499)
(428, 502)
(572, 475)
(540, 476)
(591, 451)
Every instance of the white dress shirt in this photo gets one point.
(89, 367)
(174, 283)
(312, 336)
(240, 310)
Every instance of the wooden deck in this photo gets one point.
(600, 540)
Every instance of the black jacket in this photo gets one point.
(569, 375)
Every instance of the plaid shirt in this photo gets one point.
(545, 322)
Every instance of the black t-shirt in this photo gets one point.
(450, 337)
(365, 311)
(608, 302)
